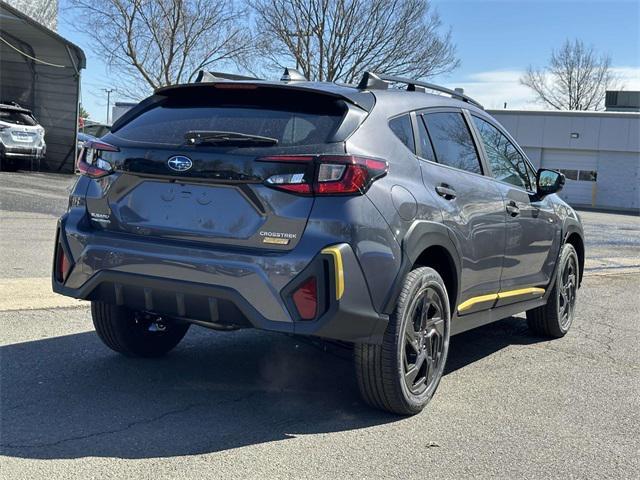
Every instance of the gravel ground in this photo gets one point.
(252, 404)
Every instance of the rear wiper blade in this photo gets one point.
(213, 137)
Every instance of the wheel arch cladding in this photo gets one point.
(428, 244)
(575, 239)
(440, 259)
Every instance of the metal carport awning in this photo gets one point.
(40, 70)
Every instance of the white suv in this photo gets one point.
(21, 137)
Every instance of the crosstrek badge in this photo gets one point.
(277, 238)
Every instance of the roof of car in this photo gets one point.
(357, 97)
(14, 107)
(401, 99)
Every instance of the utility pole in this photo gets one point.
(108, 90)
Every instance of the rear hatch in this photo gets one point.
(195, 163)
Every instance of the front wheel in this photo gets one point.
(554, 319)
(403, 373)
(135, 334)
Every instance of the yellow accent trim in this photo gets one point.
(473, 300)
(522, 291)
(497, 296)
(337, 262)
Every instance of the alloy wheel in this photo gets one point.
(567, 291)
(424, 348)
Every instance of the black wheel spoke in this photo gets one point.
(411, 338)
(410, 376)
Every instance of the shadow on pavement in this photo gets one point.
(70, 397)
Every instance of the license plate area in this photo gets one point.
(23, 137)
(170, 208)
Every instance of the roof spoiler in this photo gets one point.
(377, 81)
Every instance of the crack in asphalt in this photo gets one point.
(130, 425)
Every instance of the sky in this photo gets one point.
(496, 41)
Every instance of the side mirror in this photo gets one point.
(548, 182)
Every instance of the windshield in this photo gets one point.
(19, 118)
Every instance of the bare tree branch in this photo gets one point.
(336, 40)
(575, 79)
(153, 43)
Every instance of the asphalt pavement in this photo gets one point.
(252, 404)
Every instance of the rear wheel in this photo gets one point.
(555, 318)
(7, 166)
(403, 373)
(135, 334)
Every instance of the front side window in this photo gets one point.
(507, 164)
(452, 141)
(402, 128)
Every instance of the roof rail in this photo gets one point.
(376, 81)
(204, 76)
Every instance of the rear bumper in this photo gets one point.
(22, 153)
(222, 286)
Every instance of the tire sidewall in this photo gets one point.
(568, 252)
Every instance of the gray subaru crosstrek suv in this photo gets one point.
(388, 218)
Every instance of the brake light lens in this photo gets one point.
(306, 299)
(332, 174)
(90, 161)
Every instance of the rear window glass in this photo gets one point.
(19, 118)
(294, 123)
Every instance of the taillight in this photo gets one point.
(90, 161)
(306, 299)
(332, 174)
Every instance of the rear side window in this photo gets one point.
(289, 120)
(426, 149)
(452, 141)
(18, 118)
(401, 126)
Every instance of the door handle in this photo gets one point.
(446, 191)
(512, 209)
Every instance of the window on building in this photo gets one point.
(579, 175)
(452, 141)
(588, 176)
(569, 174)
(401, 126)
(507, 164)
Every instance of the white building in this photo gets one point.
(599, 152)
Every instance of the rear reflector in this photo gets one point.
(306, 299)
(63, 265)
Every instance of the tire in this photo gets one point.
(381, 369)
(554, 319)
(128, 332)
(7, 166)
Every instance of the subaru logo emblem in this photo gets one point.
(180, 163)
